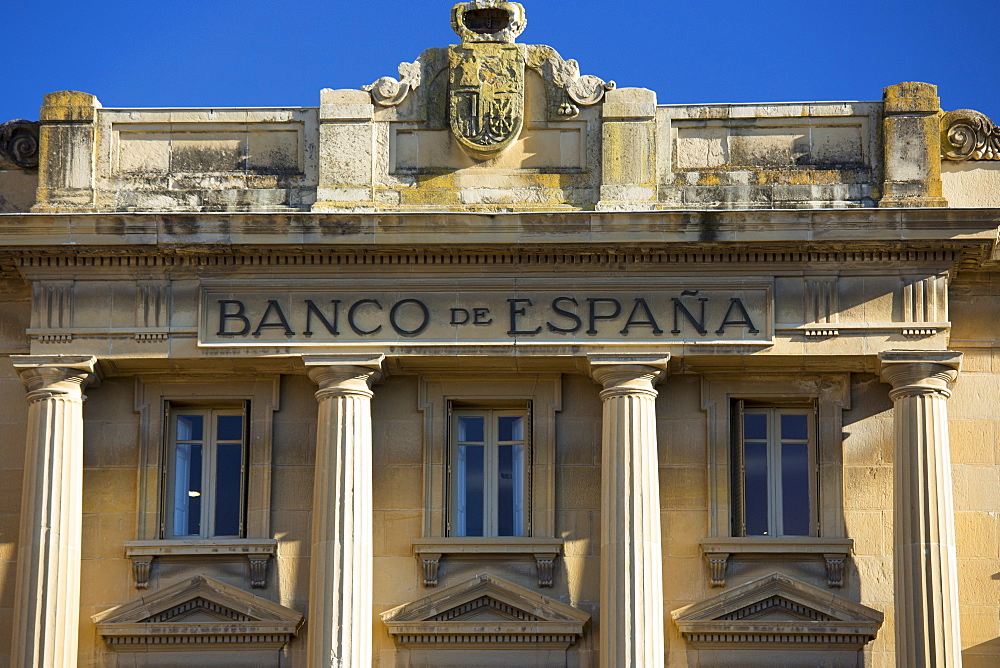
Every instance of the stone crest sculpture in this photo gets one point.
(486, 85)
(484, 101)
(969, 135)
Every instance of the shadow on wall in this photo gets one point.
(983, 655)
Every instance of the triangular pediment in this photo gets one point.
(778, 610)
(203, 611)
(485, 607)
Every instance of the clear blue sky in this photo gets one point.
(255, 53)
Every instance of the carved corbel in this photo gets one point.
(430, 563)
(140, 570)
(389, 92)
(969, 135)
(19, 143)
(717, 563)
(258, 570)
(835, 569)
(546, 568)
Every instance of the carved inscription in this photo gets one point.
(346, 317)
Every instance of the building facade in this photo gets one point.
(497, 364)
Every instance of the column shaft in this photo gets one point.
(925, 560)
(47, 588)
(340, 604)
(631, 621)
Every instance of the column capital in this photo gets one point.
(919, 372)
(628, 373)
(344, 374)
(56, 374)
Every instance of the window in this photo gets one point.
(774, 464)
(206, 473)
(489, 469)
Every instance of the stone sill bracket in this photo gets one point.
(834, 551)
(429, 551)
(257, 552)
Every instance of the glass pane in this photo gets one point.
(228, 492)
(187, 490)
(795, 488)
(510, 488)
(470, 490)
(470, 429)
(511, 428)
(754, 427)
(794, 427)
(755, 505)
(189, 427)
(229, 428)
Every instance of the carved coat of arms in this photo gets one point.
(486, 96)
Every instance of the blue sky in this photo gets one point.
(255, 53)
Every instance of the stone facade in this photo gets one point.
(495, 363)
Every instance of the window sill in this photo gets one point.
(429, 551)
(258, 551)
(834, 551)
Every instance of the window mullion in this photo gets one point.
(776, 523)
(208, 476)
(491, 475)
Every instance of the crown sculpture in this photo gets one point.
(486, 78)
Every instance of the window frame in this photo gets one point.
(831, 393)
(155, 395)
(439, 392)
(774, 441)
(491, 449)
(209, 474)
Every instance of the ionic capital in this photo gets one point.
(63, 376)
(342, 375)
(914, 373)
(628, 374)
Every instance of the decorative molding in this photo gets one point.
(580, 91)
(485, 612)
(969, 135)
(429, 551)
(19, 143)
(777, 611)
(199, 612)
(834, 551)
(257, 551)
(389, 92)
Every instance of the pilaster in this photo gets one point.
(926, 575)
(47, 588)
(911, 137)
(346, 152)
(628, 150)
(67, 138)
(631, 627)
(340, 606)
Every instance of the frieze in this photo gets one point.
(297, 316)
(969, 135)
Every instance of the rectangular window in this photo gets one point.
(490, 456)
(774, 463)
(206, 473)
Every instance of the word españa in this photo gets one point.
(523, 317)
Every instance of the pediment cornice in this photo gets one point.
(777, 610)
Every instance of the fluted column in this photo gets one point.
(926, 576)
(340, 602)
(631, 563)
(47, 589)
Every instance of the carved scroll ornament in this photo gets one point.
(388, 92)
(969, 135)
(581, 91)
(19, 143)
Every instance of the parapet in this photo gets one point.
(493, 125)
